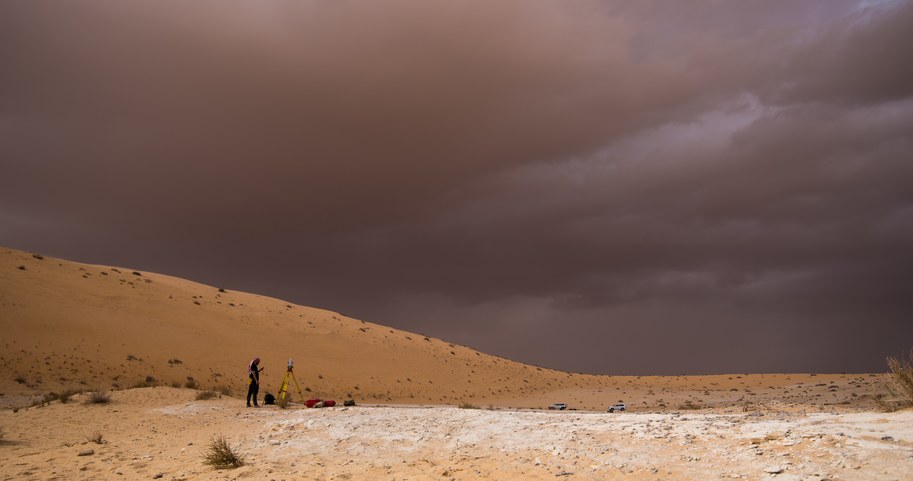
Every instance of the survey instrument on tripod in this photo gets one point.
(289, 378)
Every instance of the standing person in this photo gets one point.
(253, 370)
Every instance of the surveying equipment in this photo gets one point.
(283, 389)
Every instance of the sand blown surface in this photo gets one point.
(163, 433)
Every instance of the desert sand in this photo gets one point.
(163, 433)
(154, 341)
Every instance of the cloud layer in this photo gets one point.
(619, 187)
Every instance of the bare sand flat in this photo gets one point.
(163, 432)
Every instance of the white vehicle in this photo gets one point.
(617, 407)
(558, 406)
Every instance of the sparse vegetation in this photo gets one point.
(221, 455)
(466, 405)
(191, 383)
(96, 438)
(898, 383)
(206, 395)
(175, 361)
(98, 397)
(66, 395)
(223, 390)
(283, 401)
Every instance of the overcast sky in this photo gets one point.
(634, 187)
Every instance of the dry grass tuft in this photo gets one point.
(67, 394)
(96, 438)
(98, 397)
(223, 390)
(206, 395)
(899, 383)
(221, 456)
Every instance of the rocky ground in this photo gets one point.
(164, 433)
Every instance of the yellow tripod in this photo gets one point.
(289, 376)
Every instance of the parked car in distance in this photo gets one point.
(617, 407)
(558, 406)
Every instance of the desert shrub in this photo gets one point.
(98, 397)
(466, 405)
(899, 383)
(67, 395)
(206, 395)
(191, 383)
(47, 398)
(223, 390)
(96, 438)
(221, 456)
(282, 401)
(150, 381)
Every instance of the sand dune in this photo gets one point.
(154, 342)
(75, 326)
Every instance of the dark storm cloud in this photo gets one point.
(724, 185)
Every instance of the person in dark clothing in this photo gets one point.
(253, 371)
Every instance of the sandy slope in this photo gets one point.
(76, 326)
(73, 326)
(164, 432)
